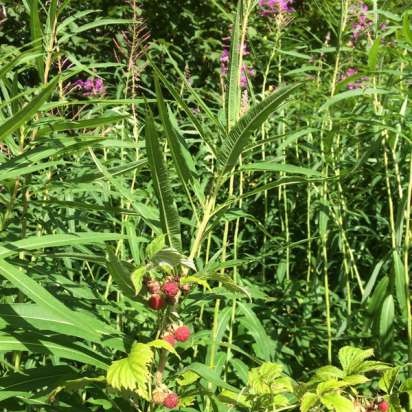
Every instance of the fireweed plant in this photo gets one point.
(170, 246)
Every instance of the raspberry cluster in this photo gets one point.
(163, 397)
(168, 292)
(179, 334)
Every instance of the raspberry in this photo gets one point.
(158, 396)
(156, 302)
(182, 333)
(153, 286)
(171, 401)
(383, 406)
(170, 339)
(171, 289)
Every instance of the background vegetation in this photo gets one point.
(261, 160)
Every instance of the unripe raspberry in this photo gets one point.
(185, 288)
(182, 333)
(171, 401)
(170, 289)
(158, 396)
(170, 339)
(156, 302)
(153, 286)
(383, 406)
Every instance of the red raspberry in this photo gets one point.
(153, 286)
(171, 401)
(170, 339)
(383, 406)
(182, 333)
(171, 289)
(156, 302)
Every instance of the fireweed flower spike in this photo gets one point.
(90, 87)
(360, 21)
(246, 72)
(351, 71)
(273, 7)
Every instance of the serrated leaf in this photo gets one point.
(309, 400)
(354, 380)
(162, 344)
(137, 277)
(352, 358)
(133, 372)
(388, 380)
(157, 244)
(337, 402)
(171, 257)
(329, 372)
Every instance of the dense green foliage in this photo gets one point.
(206, 199)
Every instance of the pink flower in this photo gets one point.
(273, 7)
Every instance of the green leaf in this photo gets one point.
(353, 380)
(137, 278)
(169, 216)
(378, 296)
(280, 167)
(30, 380)
(387, 317)
(156, 245)
(133, 372)
(28, 111)
(172, 258)
(209, 375)
(28, 315)
(238, 136)
(337, 402)
(406, 28)
(196, 123)
(373, 54)
(121, 274)
(52, 241)
(352, 358)
(233, 96)
(63, 125)
(56, 346)
(400, 284)
(264, 345)
(388, 380)
(36, 34)
(19, 278)
(309, 400)
(162, 344)
(329, 372)
(177, 149)
(349, 94)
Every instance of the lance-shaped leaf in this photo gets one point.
(239, 135)
(169, 216)
(13, 123)
(179, 152)
(235, 62)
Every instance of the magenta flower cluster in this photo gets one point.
(90, 87)
(361, 22)
(273, 7)
(246, 71)
(357, 84)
